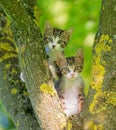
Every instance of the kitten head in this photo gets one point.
(56, 39)
(70, 67)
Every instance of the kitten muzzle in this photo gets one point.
(53, 46)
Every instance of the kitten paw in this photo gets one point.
(62, 100)
(80, 103)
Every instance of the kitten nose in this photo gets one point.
(72, 74)
(53, 46)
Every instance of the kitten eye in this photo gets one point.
(65, 70)
(60, 41)
(62, 45)
(49, 39)
(78, 68)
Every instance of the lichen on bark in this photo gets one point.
(32, 60)
(13, 92)
(102, 94)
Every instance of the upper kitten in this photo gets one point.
(55, 42)
(70, 89)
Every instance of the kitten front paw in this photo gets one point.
(62, 101)
(80, 103)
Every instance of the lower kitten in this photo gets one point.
(71, 86)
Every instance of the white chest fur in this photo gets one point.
(71, 91)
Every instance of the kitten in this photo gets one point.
(71, 86)
(55, 42)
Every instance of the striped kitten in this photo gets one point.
(55, 42)
(71, 86)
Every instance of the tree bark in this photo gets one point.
(13, 92)
(33, 63)
(99, 111)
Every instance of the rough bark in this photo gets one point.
(32, 60)
(13, 92)
(101, 110)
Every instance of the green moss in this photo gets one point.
(97, 68)
(6, 46)
(110, 97)
(13, 71)
(17, 123)
(102, 100)
(21, 49)
(7, 28)
(90, 125)
(69, 126)
(4, 76)
(98, 127)
(37, 14)
(47, 89)
(25, 93)
(14, 91)
(7, 66)
(98, 105)
(7, 56)
(98, 72)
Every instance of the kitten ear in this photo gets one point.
(66, 34)
(79, 57)
(61, 60)
(69, 32)
(47, 28)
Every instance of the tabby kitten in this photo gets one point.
(70, 88)
(55, 42)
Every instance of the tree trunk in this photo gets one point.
(13, 92)
(101, 102)
(32, 60)
(99, 112)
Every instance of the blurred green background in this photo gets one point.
(83, 16)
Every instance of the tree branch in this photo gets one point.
(102, 95)
(33, 63)
(13, 92)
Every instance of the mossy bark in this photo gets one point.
(33, 63)
(101, 110)
(13, 92)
